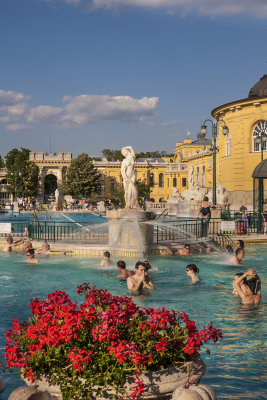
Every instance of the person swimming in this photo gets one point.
(10, 243)
(106, 261)
(191, 271)
(238, 257)
(248, 287)
(124, 273)
(138, 280)
(181, 252)
(31, 258)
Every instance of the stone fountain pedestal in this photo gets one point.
(129, 233)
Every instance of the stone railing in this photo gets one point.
(151, 205)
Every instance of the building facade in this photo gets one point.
(245, 146)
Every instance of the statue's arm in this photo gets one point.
(131, 150)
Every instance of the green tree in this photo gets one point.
(22, 174)
(142, 188)
(112, 155)
(81, 178)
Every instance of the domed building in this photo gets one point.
(245, 146)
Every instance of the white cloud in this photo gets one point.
(76, 111)
(9, 98)
(94, 108)
(18, 127)
(204, 7)
(16, 111)
(171, 123)
(44, 113)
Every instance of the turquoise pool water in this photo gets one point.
(91, 218)
(237, 365)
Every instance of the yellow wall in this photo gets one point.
(111, 170)
(234, 172)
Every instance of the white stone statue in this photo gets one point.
(191, 176)
(56, 195)
(222, 195)
(128, 175)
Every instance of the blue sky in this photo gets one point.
(94, 74)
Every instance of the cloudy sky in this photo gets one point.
(94, 74)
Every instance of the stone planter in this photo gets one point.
(158, 385)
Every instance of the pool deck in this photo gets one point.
(97, 250)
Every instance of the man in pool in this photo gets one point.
(124, 273)
(181, 252)
(238, 257)
(30, 257)
(139, 281)
(106, 261)
(248, 287)
(9, 244)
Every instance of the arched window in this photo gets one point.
(203, 176)
(259, 136)
(151, 180)
(228, 145)
(161, 180)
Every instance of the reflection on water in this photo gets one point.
(237, 365)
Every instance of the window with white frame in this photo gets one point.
(259, 136)
(228, 145)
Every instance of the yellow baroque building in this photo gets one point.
(161, 174)
(197, 158)
(244, 147)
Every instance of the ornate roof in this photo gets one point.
(259, 89)
(261, 170)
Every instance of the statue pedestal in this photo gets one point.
(129, 233)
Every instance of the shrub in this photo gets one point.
(93, 349)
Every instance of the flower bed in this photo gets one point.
(96, 348)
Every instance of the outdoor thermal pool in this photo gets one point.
(237, 365)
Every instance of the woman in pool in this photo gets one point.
(191, 271)
(248, 287)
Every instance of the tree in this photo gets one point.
(143, 189)
(22, 174)
(112, 155)
(153, 154)
(81, 178)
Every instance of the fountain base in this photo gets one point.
(129, 235)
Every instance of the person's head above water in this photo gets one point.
(121, 264)
(30, 252)
(147, 265)
(9, 239)
(192, 268)
(240, 243)
(239, 253)
(107, 254)
(229, 249)
(140, 267)
(253, 283)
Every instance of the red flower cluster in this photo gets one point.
(99, 344)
